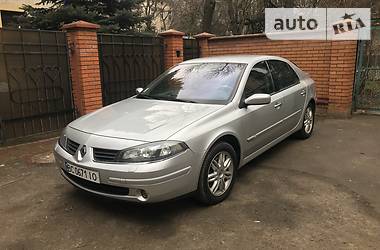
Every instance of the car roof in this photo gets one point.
(233, 59)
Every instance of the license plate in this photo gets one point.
(82, 173)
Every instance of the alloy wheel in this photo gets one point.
(308, 120)
(220, 173)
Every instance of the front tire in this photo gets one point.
(307, 123)
(218, 174)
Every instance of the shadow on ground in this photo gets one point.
(273, 205)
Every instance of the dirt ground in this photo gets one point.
(321, 193)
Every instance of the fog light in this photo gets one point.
(144, 194)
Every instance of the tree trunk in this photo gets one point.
(233, 15)
(208, 12)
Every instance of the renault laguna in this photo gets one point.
(189, 130)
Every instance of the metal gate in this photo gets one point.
(35, 91)
(367, 81)
(190, 48)
(128, 62)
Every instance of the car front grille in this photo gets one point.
(105, 155)
(97, 187)
(71, 146)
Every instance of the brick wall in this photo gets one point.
(173, 47)
(342, 76)
(330, 63)
(84, 65)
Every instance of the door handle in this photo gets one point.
(277, 105)
(303, 92)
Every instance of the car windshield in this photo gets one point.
(212, 83)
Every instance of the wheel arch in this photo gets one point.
(313, 103)
(230, 138)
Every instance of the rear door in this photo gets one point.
(293, 91)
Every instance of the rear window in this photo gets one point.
(283, 75)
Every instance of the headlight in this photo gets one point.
(154, 151)
(62, 141)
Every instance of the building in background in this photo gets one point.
(11, 8)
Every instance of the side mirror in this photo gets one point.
(139, 90)
(258, 99)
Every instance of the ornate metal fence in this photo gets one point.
(128, 62)
(190, 48)
(35, 91)
(367, 82)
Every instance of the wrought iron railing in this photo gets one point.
(190, 48)
(128, 62)
(35, 89)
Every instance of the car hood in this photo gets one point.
(142, 119)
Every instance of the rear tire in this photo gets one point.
(307, 123)
(218, 174)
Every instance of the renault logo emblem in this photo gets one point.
(81, 153)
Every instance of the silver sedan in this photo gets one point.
(189, 131)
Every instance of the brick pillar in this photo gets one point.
(342, 77)
(202, 39)
(84, 65)
(173, 47)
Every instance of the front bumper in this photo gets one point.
(160, 181)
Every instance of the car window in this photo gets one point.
(259, 81)
(213, 83)
(283, 75)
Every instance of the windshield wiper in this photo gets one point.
(174, 99)
(143, 96)
(164, 98)
(181, 100)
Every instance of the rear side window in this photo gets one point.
(283, 75)
(259, 81)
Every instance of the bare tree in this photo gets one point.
(228, 16)
(157, 14)
(208, 13)
(247, 16)
(165, 15)
(187, 15)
